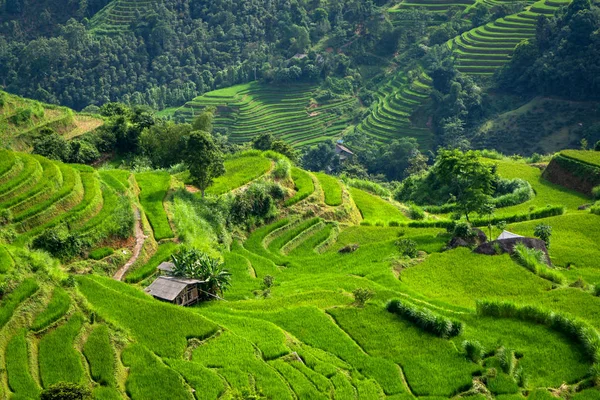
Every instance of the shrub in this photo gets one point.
(407, 247)
(426, 319)
(59, 242)
(268, 281)
(282, 169)
(463, 230)
(362, 295)
(596, 208)
(474, 350)
(597, 146)
(596, 193)
(543, 232)
(66, 391)
(5, 217)
(415, 212)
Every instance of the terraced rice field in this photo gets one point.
(118, 15)
(307, 337)
(245, 111)
(390, 116)
(22, 120)
(437, 6)
(481, 51)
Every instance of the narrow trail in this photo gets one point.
(140, 238)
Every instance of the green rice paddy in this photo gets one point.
(307, 336)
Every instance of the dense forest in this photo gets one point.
(180, 49)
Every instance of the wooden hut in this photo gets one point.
(172, 289)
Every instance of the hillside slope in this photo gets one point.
(22, 120)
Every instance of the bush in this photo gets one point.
(362, 295)
(66, 391)
(5, 216)
(474, 350)
(407, 247)
(597, 146)
(463, 230)
(282, 169)
(415, 212)
(426, 319)
(596, 208)
(543, 232)
(59, 242)
(596, 193)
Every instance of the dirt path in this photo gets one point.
(140, 238)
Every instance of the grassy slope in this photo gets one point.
(250, 339)
(22, 119)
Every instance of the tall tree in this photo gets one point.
(204, 160)
(471, 182)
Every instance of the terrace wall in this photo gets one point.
(572, 174)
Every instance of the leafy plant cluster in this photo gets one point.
(534, 260)
(425, 319)
(194, 264)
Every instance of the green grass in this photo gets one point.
(304, 186)
(203, 380)
(100, 355)
(332, 189)
(153, 189)
(58, 359)
(375, 210)
(162, 328)
(20, 381)
(6, 261)
(546, 193)
(100, 253)
(58, 306)
(11, 301)
(586, 156)
(239, 171)
(163, 253)
(149, 378)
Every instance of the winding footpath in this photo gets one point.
(140, 238)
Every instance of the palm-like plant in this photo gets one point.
(195, 264)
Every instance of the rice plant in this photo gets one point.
(100, 355)
(58, 306)
(17, 367)
(153, 189)
(426, 319)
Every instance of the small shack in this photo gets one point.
(166, 268)
(508, 235)
(172, 289)
(343, 152)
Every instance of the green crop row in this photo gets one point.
(153, 190)
(425, 319)
(20, 381)
(332, 189)
(100, 355)
(165, 250)
(11, 301)
(304, 186)
(58, 306)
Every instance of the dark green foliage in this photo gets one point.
(362, 295)
(53, 146)
(597, 146)
(596, 192)
(256, 204)
(66, 391)
(564, 46)
(164, 142)
(425, 319)
(474, 350)
(415, 212)
(59, 242)
(457, 178)
(58, 306)
(266, 141)
(204, 160)
(407, 247)
(320, 157)
(194, 264)
(544, 232)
